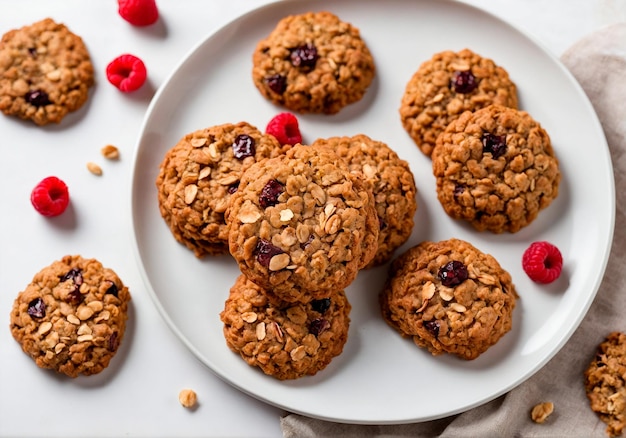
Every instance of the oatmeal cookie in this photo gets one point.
(45, 72)
(449, 297)
(392, 184)
(496, 169)
(288, 341)
(72, 316)
(313, 63)
(301, 224)
(605, 383)
(199, 174)
(447, 85)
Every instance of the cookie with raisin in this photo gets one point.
(72, 317)
(496, 169)
(301, 224)
(392, 184)
(197, 177)
(447, 85)
(45, 72)
(313, 63)
(605, 383)
(449, 297)
(285, 341)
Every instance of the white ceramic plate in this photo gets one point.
(380, 378)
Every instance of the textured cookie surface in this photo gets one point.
(71, 318)
(449, 297)
(198, 175)
(392, 184)
(496, 169)
(447, 85)
(301, 225)
(288, 341)
(313, 63)
(605, 383)
(45, 72)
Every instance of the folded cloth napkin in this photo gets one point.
(599, 64)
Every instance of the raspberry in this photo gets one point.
(542, 262)
(138, 12)
(127, 73)
(50, 197)
(284, 127)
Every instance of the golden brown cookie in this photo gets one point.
(496, 169)
(605, 383)
(392, 184)
(199, 174)
(313, 63)
(447, 85)
(45, 72)
(302, 225)
(289, 341)
(71, 318)
(449, 297)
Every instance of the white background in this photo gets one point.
(138, 394)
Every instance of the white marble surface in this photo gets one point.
(138, 394)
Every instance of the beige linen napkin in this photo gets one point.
(599, 64)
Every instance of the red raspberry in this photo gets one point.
(285, 128)
(50, 197)
(138, 12)
(542, 262)
(127, 72)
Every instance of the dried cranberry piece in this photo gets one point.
(318, 326)
(233, 188)
(464, 82)
(270, 193)
(453, 273)
(432, 327)
(458, 190)
(74, 296)
(277, 83)
(265, 251)
(37, 308)
(321, 306)
(113, 341)
(37, 98)
(496, 144)
(74, 274)
(304, 56)
(112, 289)
(244, 146)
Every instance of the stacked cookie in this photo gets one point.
(197, 177)
(494, 164)
(299, 221)
(301, 227)
(392, 183)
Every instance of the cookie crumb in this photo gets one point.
(187, 398)
(541, 412)
(94, 168)
(110, 152)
